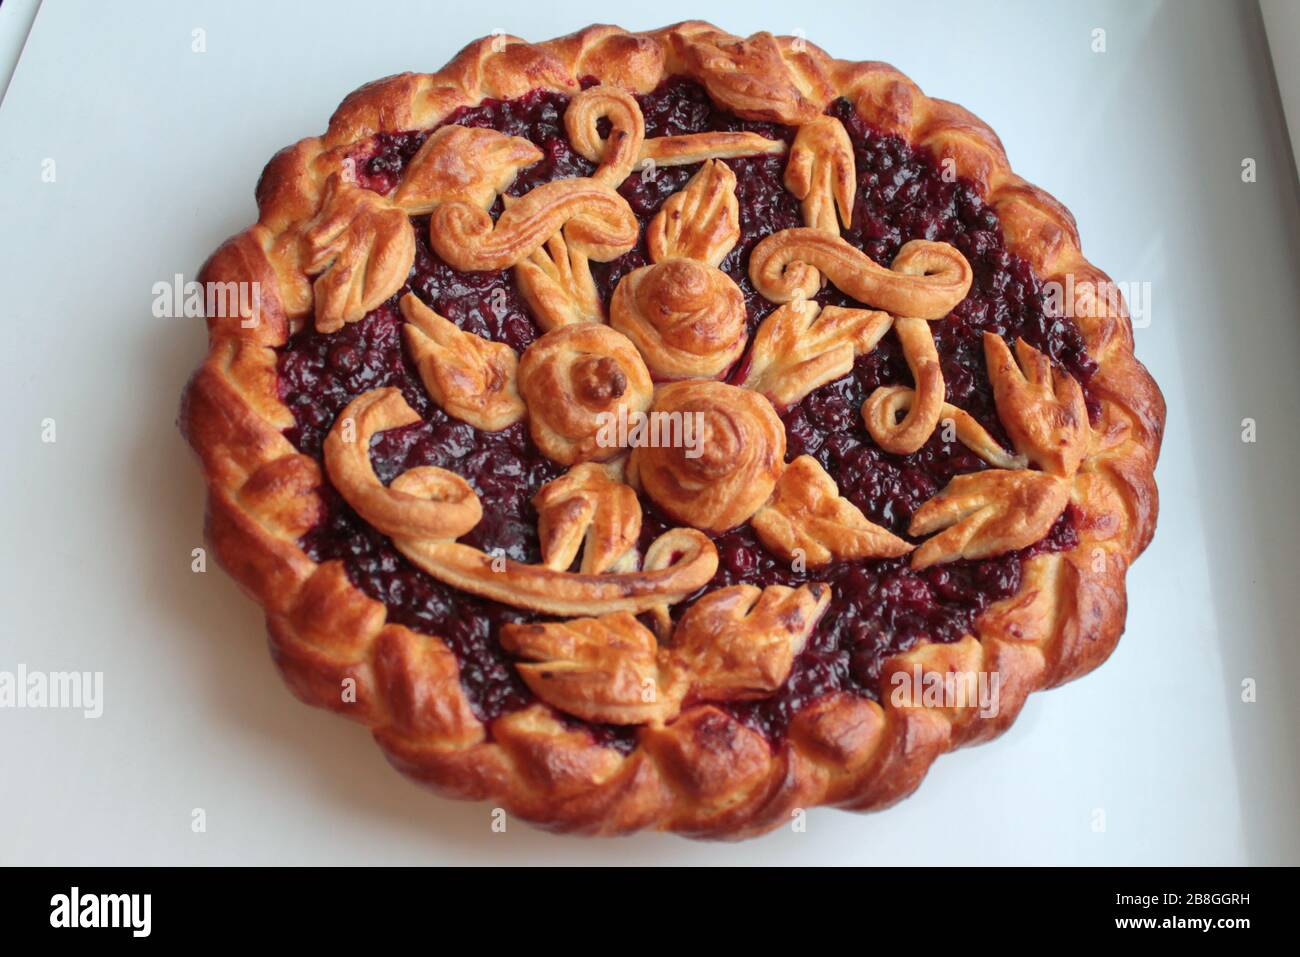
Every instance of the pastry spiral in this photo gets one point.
(618, 153)
(725, 467)
(599, 223)
(926, 279)
(575, 380)
(686, 317)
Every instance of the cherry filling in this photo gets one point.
(879, 608)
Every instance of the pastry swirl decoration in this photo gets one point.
(686, 318)
(722, 477)
(444, 505)
(627, 148)
(597, 222)
(923, 403)
(926, 279)
(618, 153)
(425, 508)
(579, 382)
(692, 560)
(895, 400)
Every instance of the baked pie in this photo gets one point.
(633, 428)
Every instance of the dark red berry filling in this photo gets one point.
(878, 608)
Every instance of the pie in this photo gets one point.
(633, 430)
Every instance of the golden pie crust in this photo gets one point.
(696, 770)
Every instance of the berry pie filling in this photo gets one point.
(878, 608)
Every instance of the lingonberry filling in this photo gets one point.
(879, 608)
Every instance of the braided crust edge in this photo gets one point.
(705, 774)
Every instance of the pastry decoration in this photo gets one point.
(806, 516)
(1001, 510)
(725, 466)
(822, 174)
(739, 643)
(581, 383)
(597, 222)
(732, 645)
(1042, 410)
(684, 313)
(588, 508)
(801, 346)
(462, 164)
(626, 147)
(439, 504)
(988, 513)
(923, 403)
(472, 378)
(556, 282)
(605, 669)
(362, 247)
(424, 509)
(686, 318)
(700, 221)
(926, 280)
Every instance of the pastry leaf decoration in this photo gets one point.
(465, 165)
(1042, 410)
(801, 346)
(587, 508)
(806, 514)
(740, 642)
(472, 378)
(822, 174)
(362, 246)
(556, 283)
(605, 669)
(700, 221)
(988, 513)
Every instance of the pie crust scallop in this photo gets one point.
(703, 774)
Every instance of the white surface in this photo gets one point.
(157, 150)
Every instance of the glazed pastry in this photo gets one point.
(623, 417)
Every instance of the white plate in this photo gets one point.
(156, 150)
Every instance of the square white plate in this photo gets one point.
(1155, 758)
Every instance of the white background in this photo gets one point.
(157, 149)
